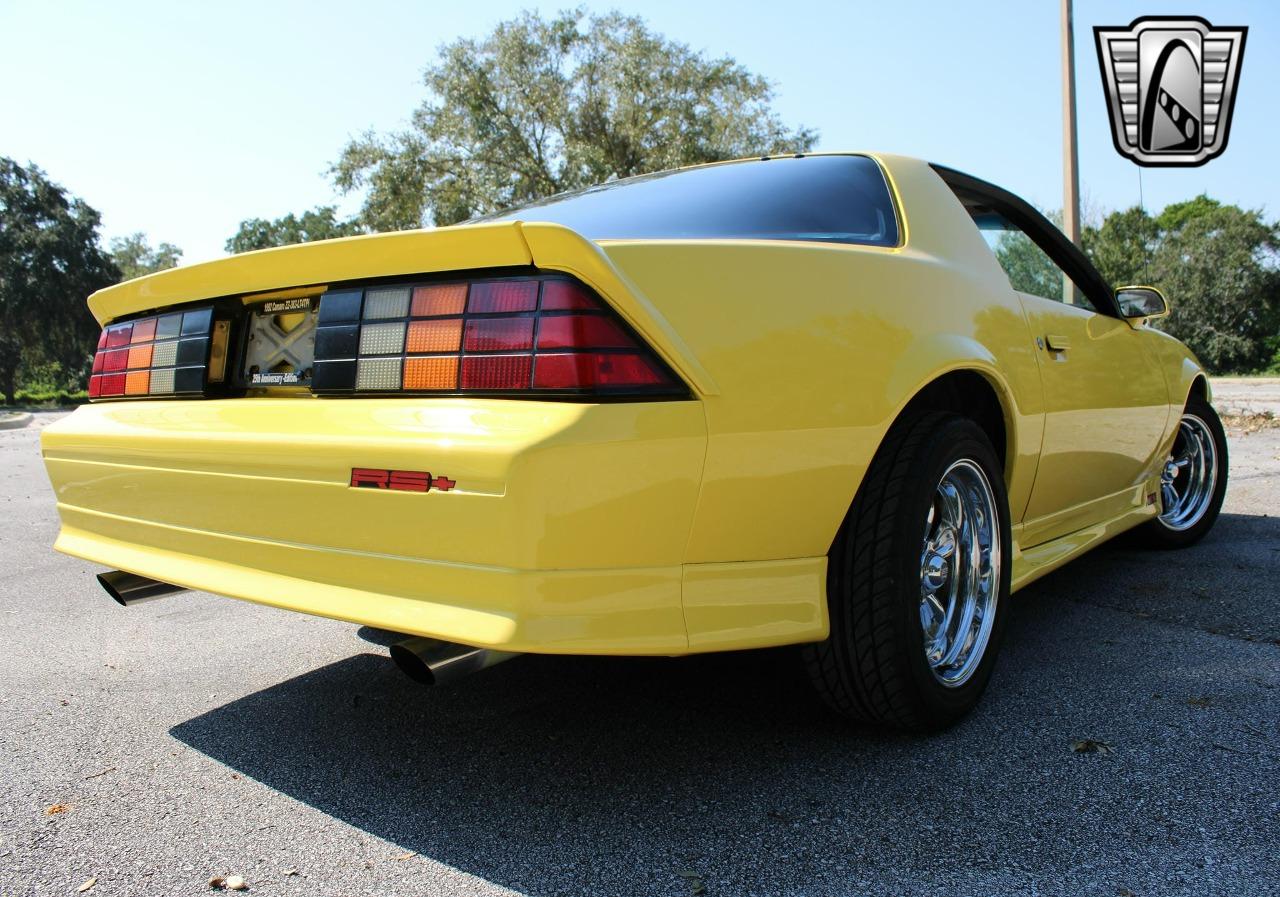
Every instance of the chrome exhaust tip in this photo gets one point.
(433, 662)
(129, 588)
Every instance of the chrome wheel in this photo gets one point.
(959, 573)
(1189, 476)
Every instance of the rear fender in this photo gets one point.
(932, 357)
(558, 248)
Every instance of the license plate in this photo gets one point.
(281, 342)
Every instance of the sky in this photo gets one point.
(182, 119)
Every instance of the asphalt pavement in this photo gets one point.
(153, 748)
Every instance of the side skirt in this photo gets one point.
(1033, 563)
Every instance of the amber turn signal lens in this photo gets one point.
(139, 357)
(144, 331)
(431, 373)
(434, 336)
(439, 299)
(137, 383)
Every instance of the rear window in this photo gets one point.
(836, 199)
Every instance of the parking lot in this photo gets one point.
(152, 748)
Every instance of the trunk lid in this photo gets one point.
(253, 279)
(316, 264)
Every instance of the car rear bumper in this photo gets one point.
(565, 531)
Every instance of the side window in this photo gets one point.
(1029, 267)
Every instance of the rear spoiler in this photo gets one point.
(507, 244)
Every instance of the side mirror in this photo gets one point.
(1141, 302)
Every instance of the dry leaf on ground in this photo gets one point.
(696, 887)
(1250, 421)
(1091, 746)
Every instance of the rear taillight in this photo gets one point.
(493, 335)
(157, 356)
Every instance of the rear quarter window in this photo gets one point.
(835, 199)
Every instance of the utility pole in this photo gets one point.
(1070, 160)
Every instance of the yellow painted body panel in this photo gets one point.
(383, 255)
(565, 532)
(817, 347)
(631, 528)
(1107, 410)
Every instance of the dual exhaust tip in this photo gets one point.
(425, 660)
(129, 588)
(433, 662)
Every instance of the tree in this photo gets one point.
(135, 258)
(321, 223)
(1029, 267)
(541, 106)
(1177, 214)
(50, 261)
(1121, 247)
(1218, 266)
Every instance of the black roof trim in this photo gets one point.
(1043, 232)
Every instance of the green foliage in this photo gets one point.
(1273, 353)
(39, 375)
(50, 261)
(541, 106)
(1215, 262)
(135, 257)
(1175, 215)
(321, 223)
(1219, 269)
(1121, 248)
(1029, 268)
(55, 397)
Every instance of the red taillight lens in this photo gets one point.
(118, 335)
(503, 296)
(496, 371)
(584, 370)
(116, 360)
(499, 334)
(494, 335)
(163, 355)
(582, 331)
(566, 295)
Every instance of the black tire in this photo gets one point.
(872, 667)
(1156, 533)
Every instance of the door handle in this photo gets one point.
(1056, 342)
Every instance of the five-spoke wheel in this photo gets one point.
(916, 579)
(1189, 478)
(1193, 480)
(959, 573)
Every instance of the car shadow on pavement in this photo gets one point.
(1223, 585)
(554, 774)
(563, 775)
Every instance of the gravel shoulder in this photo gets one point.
(198, 736)
(1247, 395)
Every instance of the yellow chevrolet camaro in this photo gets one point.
(849, 402)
